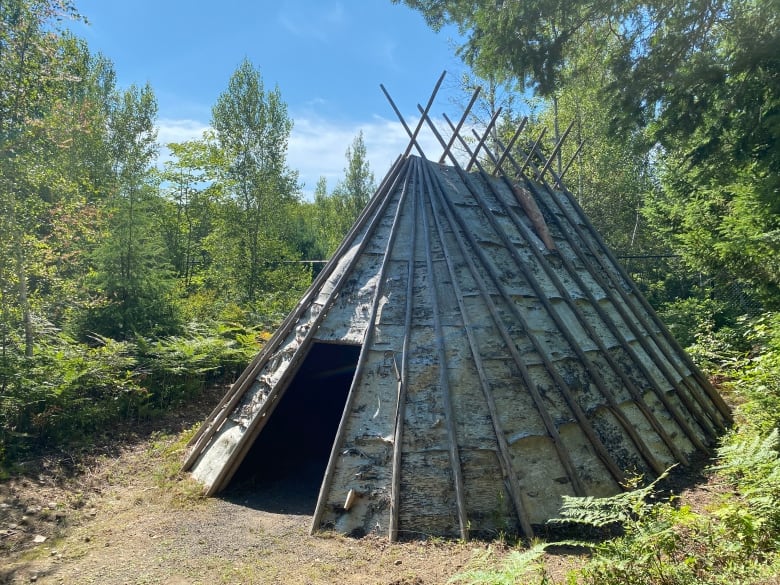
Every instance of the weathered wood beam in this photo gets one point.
(573, 273)
(367, 340)
(462, 121)
(400, 415)
(508, 149)
(658, 348)
(463, 237)
(413, 135)
(504, 455)
(592, 371)
(444, 382)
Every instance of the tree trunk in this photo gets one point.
(21, 275)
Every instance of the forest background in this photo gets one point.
(126, 286)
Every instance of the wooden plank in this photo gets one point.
(577, 344)
(444, 384)
(395, 493)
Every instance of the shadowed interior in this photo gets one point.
(291, 453)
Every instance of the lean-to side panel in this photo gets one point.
(209, 465)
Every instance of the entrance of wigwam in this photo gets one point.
(283, 470)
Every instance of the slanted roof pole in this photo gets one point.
(504, 454)
(508, 149)
(466, 112)
(403, 382)
(555, 150)
(413, 135)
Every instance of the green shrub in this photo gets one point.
(69, 391)
(66, 391)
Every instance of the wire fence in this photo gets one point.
(665, 277)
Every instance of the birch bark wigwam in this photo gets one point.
(499, 358)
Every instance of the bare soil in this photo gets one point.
(122, 513)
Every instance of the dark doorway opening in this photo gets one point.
(283, 469)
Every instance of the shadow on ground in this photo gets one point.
(292, 492)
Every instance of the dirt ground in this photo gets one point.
(122, 514)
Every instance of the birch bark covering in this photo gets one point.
(512, 371)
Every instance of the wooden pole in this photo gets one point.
(367, 340)
(504, 455)
(400, 415)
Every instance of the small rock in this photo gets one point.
(39, 538)
(24, 520)
(32, 510)
(397, 562)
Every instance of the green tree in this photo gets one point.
(252, 258)
(720, 155)
(190, 187)
(693, 84)
(133, 280)
(31, 74)
(338, 211)
(358, 184)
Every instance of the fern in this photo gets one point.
(621, 509)
(517, 564)
(754, 466)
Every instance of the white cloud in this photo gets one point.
(171, 130)
(318, 146)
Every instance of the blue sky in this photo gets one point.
(327, 57)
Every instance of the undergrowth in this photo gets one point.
(663, 541)
(68, 392)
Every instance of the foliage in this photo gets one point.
(622, 509)
(335, 213)
(68, 390)
(693, 319)
(132, 280)
(689, 90)
(755, 375)
(105, 257)
(177, 368)
(515, 566)
(252, 131)
(65, 392)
